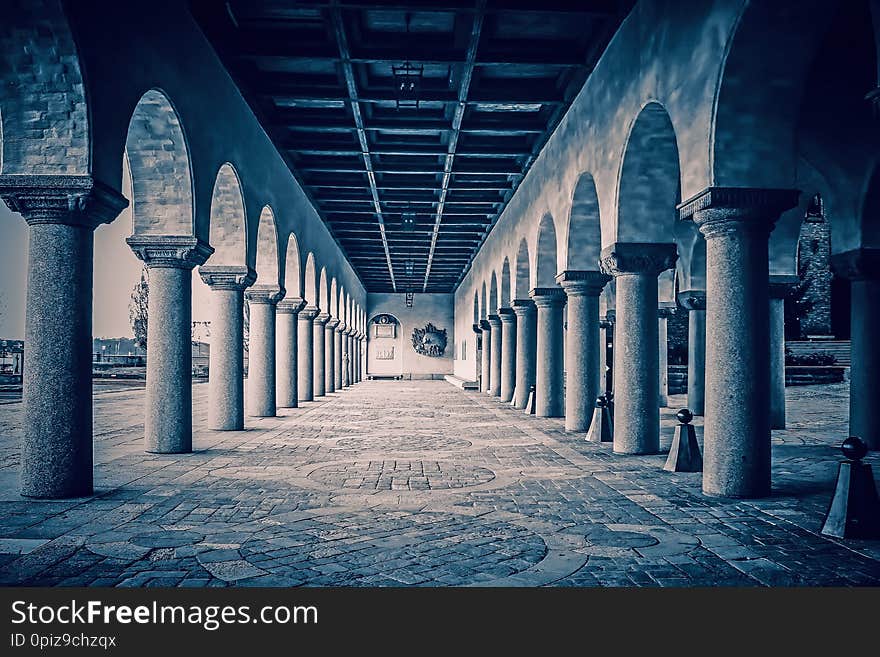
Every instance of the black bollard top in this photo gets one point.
(854, 448)
(601, 402)
(684, 416)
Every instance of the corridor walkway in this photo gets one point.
(420, 483)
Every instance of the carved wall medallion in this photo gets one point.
(384, 326)
(429, 341)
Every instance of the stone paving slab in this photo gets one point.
(419, 483)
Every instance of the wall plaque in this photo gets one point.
(384, 326)
(385, 354)
(429, 341)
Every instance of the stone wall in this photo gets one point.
(434, 308)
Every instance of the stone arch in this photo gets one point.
(349, 315)
(483, 302)
(228, 232)
(493, 294)
(340, 315)
(523, 277)
(310, 281)
(267, 250)
(649, 185)
(691, 263)
(323, 292)
(476, 308)
(45, 120)
(545, 253)
(292, 275)
(505, 298)
(333, 307)
(870, 220)
(584, 231)
(159, 164)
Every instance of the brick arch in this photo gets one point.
(228, 233)
(545, 253)
(649, 184)
(267, 250)
(584, 231)
(292, 265)
(160, 168)
(44, 124)
(522, 276)
(310, 281)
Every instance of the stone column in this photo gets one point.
(635, 267)
(318, 346)
(349, 345)
(305, 352)
(779, 288)
(526, 349)
(611, 318)
(737, 224)
(508, 353)
(549, 396)
(62, 213)
(495, 356)
(169, 260)
(663, 314)
(694, 301)
(337, 352)
(286, 352)
(226, 360)
(346, 358)
(330, 355)
(582, 290)
(358, 363)
(486, 362)
(862, 267)
(261, 391)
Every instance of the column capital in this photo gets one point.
(332, 323)
(227, 277)
(857, 264)
(522, 306)
(494, 321)
(506, 315)
(582, 283)
(692, 299)
(340, 327)
(780, 286)
(308, 313)
(485, 325)
(611, 316)
(61, 199)
(722, 210)
(477, 328)
(622, 258)
(349, 330)
(174, 251)
(290, 305)
(321, 318)
(665, 312)
(264, 294)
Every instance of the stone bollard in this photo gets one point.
(530, 404)
(602, 426)
(854, 511)
(684, 455)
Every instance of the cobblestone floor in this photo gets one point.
(419, 483)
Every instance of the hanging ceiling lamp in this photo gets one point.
(408, 80)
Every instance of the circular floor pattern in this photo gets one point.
(167, 538)
(400, 475)
(391, 548)
(607, 538)
(402, 443)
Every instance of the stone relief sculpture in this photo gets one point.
(429, 341)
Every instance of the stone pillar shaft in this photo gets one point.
(495, 356)
(549, 396)
(169, 261)
(582, 290)
(663, 315)
(337, 352)
(318, 362)
(862, 267)
(486, 361)
(526, 349)
(694, 301)
(261, 391)
(330, 355)
(736, 224)
(778, 290)
(305, 352)
(226, 360)
(62, 213)
(636, 343)
(508, 353)
(287, 352)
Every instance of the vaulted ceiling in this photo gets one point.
(410, 192)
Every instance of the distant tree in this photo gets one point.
(137, 309)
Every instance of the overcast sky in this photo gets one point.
(116, 272)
